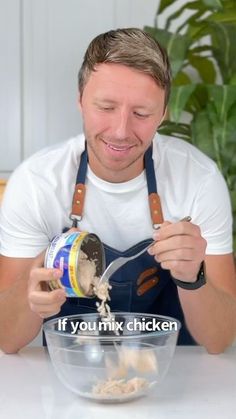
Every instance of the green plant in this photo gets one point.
(202, 52)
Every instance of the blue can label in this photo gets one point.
(63, 253)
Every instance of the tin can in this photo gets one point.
(64, 253)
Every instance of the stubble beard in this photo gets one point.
(120, 167)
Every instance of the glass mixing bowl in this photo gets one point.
(111, 360)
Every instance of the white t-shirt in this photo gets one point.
(38, 197)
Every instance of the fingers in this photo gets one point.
(47, 304)
(74, 230)
(180, 248)
(175, 254)
(41, 277)
(183, 247)
(42, 301)
(168, 230)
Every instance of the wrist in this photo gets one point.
(198, 283)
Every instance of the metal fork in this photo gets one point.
(117, 263)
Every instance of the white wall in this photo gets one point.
(42, 44)
(10, 85)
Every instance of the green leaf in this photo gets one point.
(201, 48)
(202, 133)
(179, 130)
(213, 4)
(204, 66)
(230, 132)
(233, 80)
(222, 119)
(197, 30)
(195, 5)
(190, 21)
(223, 97)
(228, 164)
(164, 4)
(224, 49)
(233, 200)
(224, 17)
(180, 79)
(176, 45)
(198, 99)
(178, 99)
(229, 4)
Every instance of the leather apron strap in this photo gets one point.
(80, 190)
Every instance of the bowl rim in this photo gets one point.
(48, 330)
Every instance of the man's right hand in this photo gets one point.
(42, 301)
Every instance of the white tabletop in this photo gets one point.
(198, 385)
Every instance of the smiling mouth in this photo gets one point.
(118, 147)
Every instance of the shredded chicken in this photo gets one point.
(140, 360)
(119, 387)
(102, 292)
(143, 360)
(87, 274)
(90, 285)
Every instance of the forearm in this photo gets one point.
(18, 324)
(210, 314)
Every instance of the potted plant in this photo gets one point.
(202, 51)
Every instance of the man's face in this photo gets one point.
(121, 109)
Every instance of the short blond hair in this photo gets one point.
(131, 47)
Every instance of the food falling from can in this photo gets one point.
(81, 258)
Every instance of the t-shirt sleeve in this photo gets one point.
(212, 212)
(22, 233)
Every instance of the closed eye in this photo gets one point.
(106, 108)
(141, 115)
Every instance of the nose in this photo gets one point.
(122, 125)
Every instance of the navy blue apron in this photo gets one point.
(140, 285)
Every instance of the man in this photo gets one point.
(134, 179)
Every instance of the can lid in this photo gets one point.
(91, 263)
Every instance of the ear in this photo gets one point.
(79, 102)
